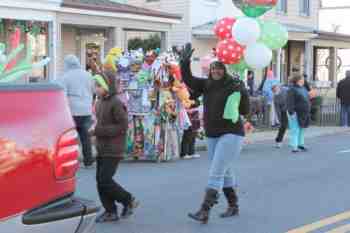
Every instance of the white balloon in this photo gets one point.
(258, 56)
(246, 31)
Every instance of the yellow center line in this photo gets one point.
(342, 229)
(321, 223)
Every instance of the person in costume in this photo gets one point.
(224, 100)
(110, 131)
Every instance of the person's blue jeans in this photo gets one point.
(297, 134)
(223, 153)
(344, 115)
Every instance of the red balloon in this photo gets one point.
(223, 28)
(229, 51)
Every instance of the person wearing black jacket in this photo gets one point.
(298, 106)
(225, 136)
(343, 94)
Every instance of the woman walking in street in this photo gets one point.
(225, 99)
(298, 106)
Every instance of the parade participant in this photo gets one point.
(298, 106)
(110, 132)
(78, 86)
(270, 81)
(224, 100)
(188, 141)
(343, 94)
(280, 102)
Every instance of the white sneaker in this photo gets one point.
(196, 156)
(278, 145)
(187, 157)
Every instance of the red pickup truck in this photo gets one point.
(38, 162)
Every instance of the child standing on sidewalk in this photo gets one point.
(110, 132)
(189, 136)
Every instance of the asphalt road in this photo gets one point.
(279, 191)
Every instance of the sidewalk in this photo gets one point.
(270, 136)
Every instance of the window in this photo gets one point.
(305, 7)
(282, 6)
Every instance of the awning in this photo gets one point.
(299, 33)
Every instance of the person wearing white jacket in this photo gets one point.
(79, 88)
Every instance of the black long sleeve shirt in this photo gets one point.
(215, 94)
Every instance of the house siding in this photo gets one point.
(180, 33)
(68, 39)
(293, 15)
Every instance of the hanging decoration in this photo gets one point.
(20, 68)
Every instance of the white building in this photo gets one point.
(76, 26)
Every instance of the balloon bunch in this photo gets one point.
(247, 42)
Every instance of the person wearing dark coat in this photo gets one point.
(343, 94)
(224, 100)
(280, 102)
(251, 82)
(110, 132)
(298, 106)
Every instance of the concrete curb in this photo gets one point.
(270, 136)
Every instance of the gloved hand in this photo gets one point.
(186, 54)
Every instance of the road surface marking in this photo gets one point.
(322, 223)
(341, 229)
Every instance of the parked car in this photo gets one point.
(38, 163)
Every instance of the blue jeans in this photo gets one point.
(345, 115)
(223, 153)
(297, 134)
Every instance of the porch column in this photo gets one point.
(333, 66)
(279, 64)
(120, 38)
(164, 41)
(308, 62)
(55, 41)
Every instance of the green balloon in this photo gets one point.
(273, 34)
(238, 68)
(255, 11)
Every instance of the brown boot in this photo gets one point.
(210, 199)
(232, 200)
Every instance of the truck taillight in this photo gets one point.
(66, 156)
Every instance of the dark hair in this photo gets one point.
(217, 64)
(296, 78)
(220, 65)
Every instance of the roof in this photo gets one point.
(109, 6)
(208, 27)
(323, 35)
